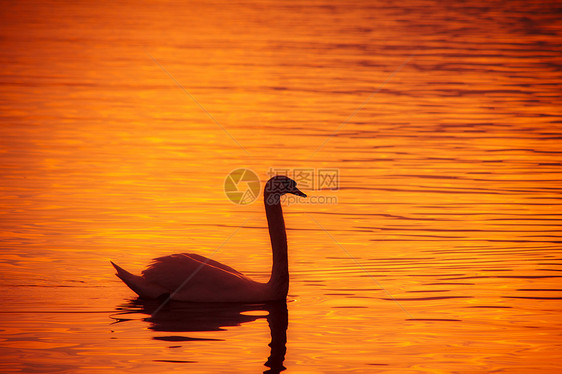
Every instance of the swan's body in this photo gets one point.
(191, 277)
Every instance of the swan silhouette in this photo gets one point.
(191, 277)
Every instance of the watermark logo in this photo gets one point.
(310, 178)
(318, 179)
(242, 186)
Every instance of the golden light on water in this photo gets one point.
(120, 122)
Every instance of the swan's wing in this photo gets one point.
(172, 271)
(212, 262)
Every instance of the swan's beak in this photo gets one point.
(298, 192)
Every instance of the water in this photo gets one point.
(442, 253)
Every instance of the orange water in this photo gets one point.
(441, 255)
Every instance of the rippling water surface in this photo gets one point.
(442, 253)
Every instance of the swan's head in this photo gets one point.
(281, 185)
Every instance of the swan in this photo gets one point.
(192, 277)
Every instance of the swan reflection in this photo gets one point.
(180, 317)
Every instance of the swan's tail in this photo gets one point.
(141, 286)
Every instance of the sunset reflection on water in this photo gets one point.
(121, 121)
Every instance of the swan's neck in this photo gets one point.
(279, 281)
